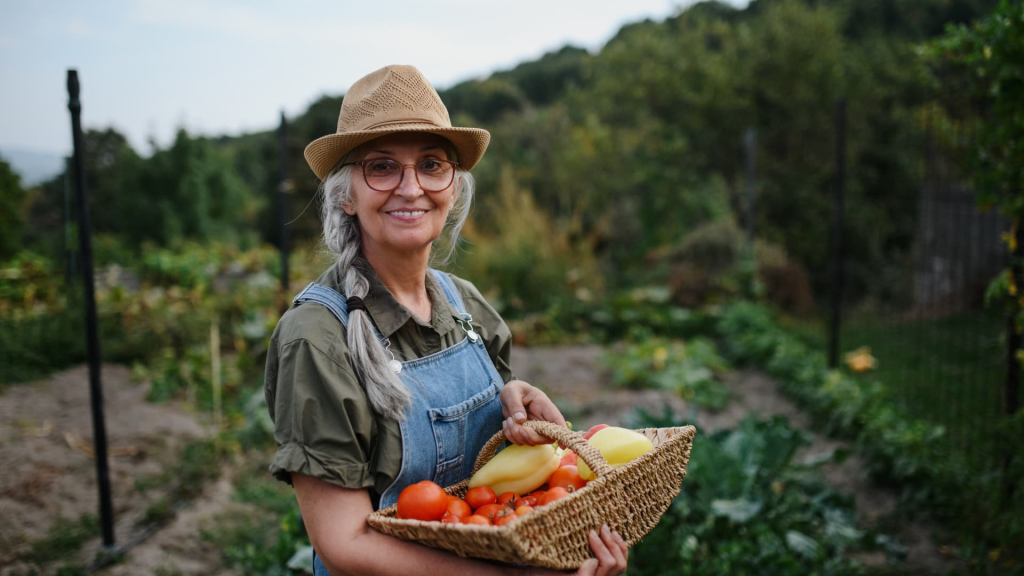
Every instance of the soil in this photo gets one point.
(45, 431)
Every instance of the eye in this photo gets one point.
(432, 166)
(382, 167)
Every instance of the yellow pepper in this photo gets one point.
(518, 469)
(619, 446)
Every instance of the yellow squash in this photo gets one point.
(518, 469)
(619, 446)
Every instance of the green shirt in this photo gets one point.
(323, 422)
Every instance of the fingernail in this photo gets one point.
(520, 416)
(604, 529)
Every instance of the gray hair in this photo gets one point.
(387, 393)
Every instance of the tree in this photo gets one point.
(12, 196)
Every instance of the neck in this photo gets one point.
(404, 275)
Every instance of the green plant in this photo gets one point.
(906, 453)
(64, 539)
(687, 368)
(747, 507)
(263, 538)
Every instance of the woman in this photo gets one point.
(386, 372)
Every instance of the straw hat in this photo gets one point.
(392, 99)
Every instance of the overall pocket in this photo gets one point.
(451, 428)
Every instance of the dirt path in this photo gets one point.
(48, 493)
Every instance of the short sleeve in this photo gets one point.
(492, 327)
(323, 423)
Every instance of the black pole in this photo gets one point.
(99, 429)
(836, 236)
(1011, 396)
(282, 195)
(750, 146)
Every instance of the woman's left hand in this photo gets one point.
(521, 402)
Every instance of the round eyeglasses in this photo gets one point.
(385, 174)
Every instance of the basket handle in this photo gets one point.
(574, 440)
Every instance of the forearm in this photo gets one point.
(369, 552)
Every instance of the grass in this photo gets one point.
(64, 539)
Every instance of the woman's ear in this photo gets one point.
(349, 208)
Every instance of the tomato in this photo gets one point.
(552, 495)
(510, 499)
(524, 510)
(422, 501)
(504, 517)
(594, 430)
(480, 496)
(567, 477)
(449, 519)
(536, 495)
(569, 458)
(478, 520)
(457, 507)
(489, 510)
(528, 501)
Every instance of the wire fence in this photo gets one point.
(939, 348)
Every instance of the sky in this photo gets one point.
(148, 67)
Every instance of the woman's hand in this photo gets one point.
(610, 556)
(521, 402)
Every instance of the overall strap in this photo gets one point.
(326, 297)
(450, 291)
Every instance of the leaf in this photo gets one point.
(802, 544)
(302, 560)
(738, 510)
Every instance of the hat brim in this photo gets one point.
(324, 153)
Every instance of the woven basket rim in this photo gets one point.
(383, 514)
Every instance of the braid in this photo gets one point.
(388, 395)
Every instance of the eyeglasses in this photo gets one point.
(385, 174)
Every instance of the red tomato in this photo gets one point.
(524, 510)
(422, 501)
(480, 496)
(528, 501)
(504, 517)
(510, 499)
(489, 510)
(567, 477)
(478, 520)
(594, 430)
(569, 458)
(536, 495)
(449, 519)
(552, 495)
(457, 507)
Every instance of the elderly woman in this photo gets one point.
(386, 372)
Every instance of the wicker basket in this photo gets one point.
(630, 499)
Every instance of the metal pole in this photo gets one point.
(282, 195)
(836, 236)
(1013, 345)
(99, 429)
(750, 145)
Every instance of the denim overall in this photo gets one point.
(455, 407)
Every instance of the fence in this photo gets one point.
(940, 350)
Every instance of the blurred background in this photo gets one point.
(793, 223)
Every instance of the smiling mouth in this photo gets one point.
(408, 213)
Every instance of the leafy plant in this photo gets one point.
(746, 507)
(687, 368)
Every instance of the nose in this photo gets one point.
(409, 187)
